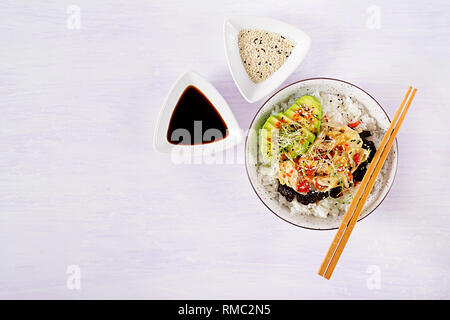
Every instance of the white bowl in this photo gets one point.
(234, 136)
(301, 88)
(250, 90)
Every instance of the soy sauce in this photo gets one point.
(196, 114)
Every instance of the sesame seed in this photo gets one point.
(274, 47)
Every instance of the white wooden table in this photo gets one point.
(82, 190)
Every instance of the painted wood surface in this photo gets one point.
(82, 189)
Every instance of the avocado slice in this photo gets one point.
(274, 121)
(265, 144)
(298, 144)
(295, 116)
(266, 137)
(297, 137)
(296, 150)
(285, 120)
(309, 108)
(304, 116)
(272, 124)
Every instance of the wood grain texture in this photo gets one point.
(81, 185)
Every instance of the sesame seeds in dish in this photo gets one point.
(263, 52)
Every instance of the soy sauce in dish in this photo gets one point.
(195, 113)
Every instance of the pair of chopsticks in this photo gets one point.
(357, 204)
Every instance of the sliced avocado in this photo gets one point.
(283, 118)
(311, 137)
(268, 125)
(295, 116)
(265, 144)
(266, 137)
(312, 111)
(312, 102)
(302, 123)
(307, 119)
(273, 120)
(304, 116)
(308, 135)
(298, 138)
(297, 149)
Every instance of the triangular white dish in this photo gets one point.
(161, 142)
(250, 90)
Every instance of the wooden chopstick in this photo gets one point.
(352, 215)
(367, 191)
(349, 213)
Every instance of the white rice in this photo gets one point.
(341, 110)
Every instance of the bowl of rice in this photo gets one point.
(342, 103)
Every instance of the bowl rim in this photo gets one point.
(251, 125)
